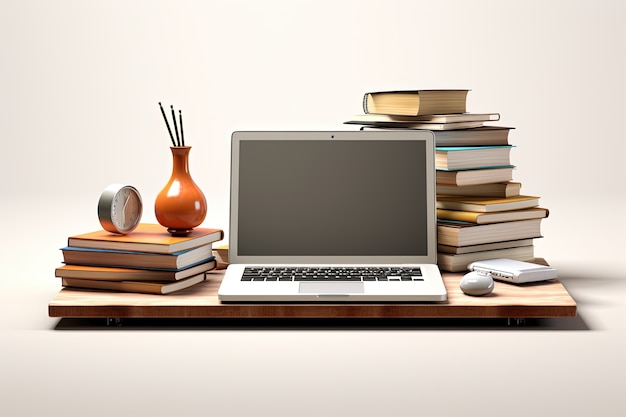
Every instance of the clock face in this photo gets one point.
(119, 208)
(126, 209)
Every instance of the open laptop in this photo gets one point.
(346, 216)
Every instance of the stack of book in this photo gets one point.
(221, 256)
(480, 211)
(147, 260)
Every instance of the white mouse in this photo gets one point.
(475, 283)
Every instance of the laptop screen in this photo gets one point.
(323, 196)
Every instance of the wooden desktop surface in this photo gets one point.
(538, 300)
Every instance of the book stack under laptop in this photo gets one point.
(480, 211)
(147, 260)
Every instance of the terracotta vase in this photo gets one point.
(181, 205)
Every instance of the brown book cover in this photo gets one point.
(146, 238)
(103, 273)
(135, 286)
(140, 260)
(497, 189)
(486, 204)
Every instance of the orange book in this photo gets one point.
(152, 238)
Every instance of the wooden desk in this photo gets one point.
(541, 300)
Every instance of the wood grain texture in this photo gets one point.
(539, 300)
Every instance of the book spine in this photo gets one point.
(365, 109)
(457, 215)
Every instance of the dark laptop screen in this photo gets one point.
(332, 198)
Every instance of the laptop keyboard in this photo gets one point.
(332, 274)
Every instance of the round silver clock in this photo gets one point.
(120, 208)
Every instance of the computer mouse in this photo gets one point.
(475, 283)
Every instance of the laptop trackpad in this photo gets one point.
(331, 287)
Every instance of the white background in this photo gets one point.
(79, 87)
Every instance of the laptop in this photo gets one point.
(346, 216)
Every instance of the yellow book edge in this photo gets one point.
(492, 217)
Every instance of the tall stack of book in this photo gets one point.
(147, 260)
(480, 211)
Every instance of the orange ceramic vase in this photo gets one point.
(181, 205)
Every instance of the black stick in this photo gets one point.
(182, 134)
(175, 126)
(167, 124)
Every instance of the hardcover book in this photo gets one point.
(472, 157)
(474, 176)
(478, 136)
(415, 102)
(454, 250)
(498, 189)
(458, 263)
(146, 238)
(135, 286)
(465, 234)
(426, 118)
(102, 273)
(419, 125)
(140, 260)
(492, 217)
(486, 204)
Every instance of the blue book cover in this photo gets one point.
(137, 260)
